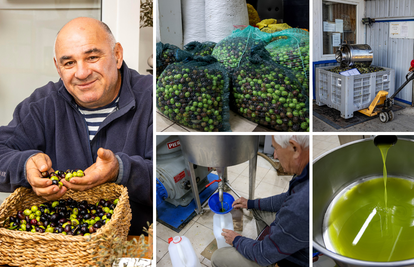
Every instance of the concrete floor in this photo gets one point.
(403, 122)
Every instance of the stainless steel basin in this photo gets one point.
(340, 167)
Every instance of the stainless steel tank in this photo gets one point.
(220, 151)
(351, 54)
(348, 164)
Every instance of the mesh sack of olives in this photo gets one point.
(200, 49)
(194, 91)
(269, 94)
(291, 49)
(232, 49)
(165, 56)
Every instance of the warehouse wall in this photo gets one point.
(391, 52)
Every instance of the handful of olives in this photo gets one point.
(59, 175)
(68, 217)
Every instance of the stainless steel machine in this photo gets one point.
(219, 151)
(351, 54)
(173, 177)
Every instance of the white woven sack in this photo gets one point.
(221, 15)
(193, 20)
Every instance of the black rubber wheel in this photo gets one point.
(390, 115)
(383, 116)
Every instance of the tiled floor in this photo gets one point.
(324, 143)
(200, 230)
(237, 124)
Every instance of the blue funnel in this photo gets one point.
(215, 204)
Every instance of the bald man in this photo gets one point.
(97, 117)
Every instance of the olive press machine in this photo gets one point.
(183, 163)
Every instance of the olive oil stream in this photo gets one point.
(374, 220)
(384, 151)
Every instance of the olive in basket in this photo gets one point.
(68, 217)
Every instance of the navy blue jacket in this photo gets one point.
(289, 232)
(48, 121)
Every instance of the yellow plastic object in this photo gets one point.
(378, 100)
(275, 27)
(266, 22)
(253, 15)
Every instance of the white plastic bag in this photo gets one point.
(193, 20)
(222, 15)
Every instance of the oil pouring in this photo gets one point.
(371, 219)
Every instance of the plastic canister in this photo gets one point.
(221, 221)
(182, 253)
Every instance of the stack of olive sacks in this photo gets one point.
(200, 49)
(269, 94)
(194, 92)
(291, 49)
(232, 49)
(165, 56)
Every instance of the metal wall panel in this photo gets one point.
(377, 8)
(389, 8)
(389, 52)
(399, 8)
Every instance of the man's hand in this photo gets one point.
(103, 170)
(42, 187)
(229, 236)
(240, 203)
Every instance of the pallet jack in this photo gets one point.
(382, 105)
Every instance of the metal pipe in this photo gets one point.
(194, 187)
(220, 190)
(232, 189)
(252, 175)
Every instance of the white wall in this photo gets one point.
(27, 30)
(122, 16)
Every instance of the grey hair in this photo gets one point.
(104, 26)
(283, 140)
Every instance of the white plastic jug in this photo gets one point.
(221, 221)
(182, 253)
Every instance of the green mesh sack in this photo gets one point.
(200, 49)
(194, 91)
(232, 49)
(165, 56)
(290, 49)
(269, 94)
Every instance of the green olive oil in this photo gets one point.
(374, 220)
(357, 223)
(384, 151)
(222, 207)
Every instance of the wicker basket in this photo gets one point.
(47, 249)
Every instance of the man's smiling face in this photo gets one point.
(88, 62)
